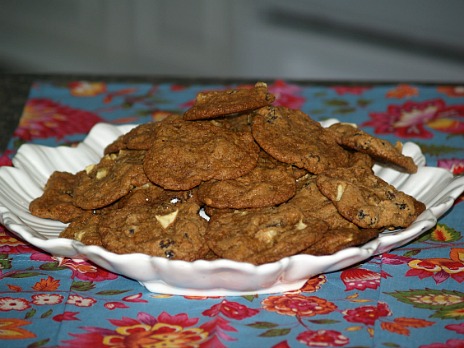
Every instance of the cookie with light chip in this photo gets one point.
(112, 178)
(262, 235)
(380, 149)
(213, 104)
(366, 200)
(174, 231)
(291, 136)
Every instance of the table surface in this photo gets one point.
(409, 297)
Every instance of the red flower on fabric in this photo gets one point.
(367, 314)
(439, 269)
(143, 331)
(287, 95)
(11, 245)
(361, 279)
(411, 119)
(298, 305)
(454, 165)
(233, 310)
(357, 90)
(44, 118)
(323, 338)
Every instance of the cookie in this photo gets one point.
(313, 203)
(139, 137)
(219, 103)
(185, 154)
(56, 202)
(367, 200)
(293, 137)
(112, 178)
(262, 235)
(269, 183)
(380, 149)
(84, 230)
(340, 238)
(174, 231)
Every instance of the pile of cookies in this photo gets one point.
(234, 177)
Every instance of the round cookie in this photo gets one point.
(341, 238)
(56, 202)
(380, 149)
(367, 200)
(186, 153)
(84, 230)
(262, 235)
(219, 103)
(269, 183)
(110, 179)
(174, 231)
(293, 137)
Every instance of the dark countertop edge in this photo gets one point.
(14, 89)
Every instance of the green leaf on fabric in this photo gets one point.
(262, 325)
(275, 333)
(39, 344)
(21, 274)
(47, 314)
(344, 111)
(52, 266)
(412, 253)
(336, 102)
(430, 298)
(363, 102)
(30, 314)
(437, 150)
(82, 286)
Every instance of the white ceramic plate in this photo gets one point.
(33, 164)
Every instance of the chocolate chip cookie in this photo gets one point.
(269, 183)
(293, 137)
(187, 153)
(212, 104)
(262, 235)
(380, 149)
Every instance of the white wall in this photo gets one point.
(302, 39)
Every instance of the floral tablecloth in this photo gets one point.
(410, 297)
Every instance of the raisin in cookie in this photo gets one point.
(293, 137)
(380, 149)
(262, 235)
(367, 200)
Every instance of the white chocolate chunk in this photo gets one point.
(166, 220)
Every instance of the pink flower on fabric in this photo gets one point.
(411, 119)
(361, 279)
(45, 118)
(323, 338)
(233, 310)
(367, 314)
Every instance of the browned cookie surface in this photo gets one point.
(292, 137)
(218, 103)
(84, 230)
(110, 179)
(380, 149)
(367, 200)
(174, 231)
(313, 203)
(262, 235)
(56, 202)
(186, 153)
(269, 183)
(340, 238)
